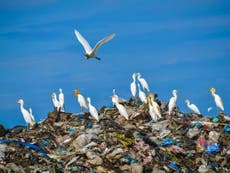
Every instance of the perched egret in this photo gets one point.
(115, 97)
(61, 99)
(133, 85)
(25, 113)
(92, 110)
(156, 107)
(120, 108)
(192, 107)
(89, 52)
(143, 82)
(172, 101)
(217, 99)
(152, 113)
(55, 101)
(81, 100)
(32, 116)
(142, 95)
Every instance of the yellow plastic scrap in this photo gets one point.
(123, 140)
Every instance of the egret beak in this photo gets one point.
(17, 101)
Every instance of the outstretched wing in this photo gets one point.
(101, 42)
(83, 41)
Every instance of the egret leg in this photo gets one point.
(98, 58)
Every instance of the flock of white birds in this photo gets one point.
(143, 93)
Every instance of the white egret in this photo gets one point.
(61, 99)
(217, 99)
(32, 116)
(81, 100)
(25, 113)
(172, 101)
(142, 95)
(55, 101)
(89, 52)
(143, 82)
(92, 110)
(155, 107)
(152, 113)
(122, 110)
(192, 107)
(133, 85)
(115, 97)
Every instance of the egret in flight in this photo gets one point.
(192, 107)
(172, 101)
(217, 99)
(89, 52)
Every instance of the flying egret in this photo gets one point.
(172, 101)
(92, 110)
(89, 52)
(81, 100)
(192, 107)
(156, 107)
(133, 85)
(31, 116)
(61, 99)
(120, 108)
(217, 99)
(25, 113)
(55, 101)
(142, 95)
(143, 82)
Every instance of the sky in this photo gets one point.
(176, 44)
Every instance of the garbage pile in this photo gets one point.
(75, 142)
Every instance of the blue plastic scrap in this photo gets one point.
(215, 119)
(27, 145)
(226, 128)
(173, 166)
(129, 159)
(80, 116)
(167, 142)
(72, 130)
(212, 149)
(199, 124)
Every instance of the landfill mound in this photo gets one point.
(67, 142)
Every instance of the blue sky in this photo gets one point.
(174, 45)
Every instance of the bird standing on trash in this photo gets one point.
(55, 101)
(217, 98)
(172, 101)
(26, 114)
(192, 107)
(154, 108)
(122, 110)
(133, 85)
(143, 82)
(81, 100)
(142, 95)
(89, 52)
(32, 116)
(61, 99)
(115, 97)
(92, 110)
